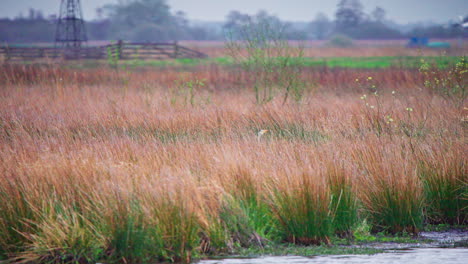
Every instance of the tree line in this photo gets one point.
(153, 20)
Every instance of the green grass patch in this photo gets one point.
(332, 62)
(376, 62)
(379, 62)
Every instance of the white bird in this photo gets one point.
(261, 133)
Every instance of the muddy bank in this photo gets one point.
(432, 239)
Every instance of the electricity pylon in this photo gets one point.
(70, 31)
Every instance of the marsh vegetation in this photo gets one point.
(142, 165)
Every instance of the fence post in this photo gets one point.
(176, 49)
(7, 53)
(119, 49)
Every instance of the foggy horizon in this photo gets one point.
(400, 11)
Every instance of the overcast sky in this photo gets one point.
(294, 10)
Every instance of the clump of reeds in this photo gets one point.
(445, 179)
(390, 189)
(344, 202)
(302, 208)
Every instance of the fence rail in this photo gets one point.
(120, 50)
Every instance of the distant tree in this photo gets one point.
(374, 30)
(236, 19)
(321, 26)
(199, 33)
(263, 15)
(98, 29)
(99, 13)
(438, 31)
(32, 14)
(181, 19)
(180, 26)
(135, 12)
(353, 22)
(33, 28)
(152, 32)
(39, 15)
(349, 14)
(134, 19)
(19, 16)
(379, 14)
(52, 18)
(150, 20)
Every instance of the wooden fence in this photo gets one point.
(120, 50)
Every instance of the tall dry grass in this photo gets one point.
(97, 165)
(216, 77)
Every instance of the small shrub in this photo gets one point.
(190, 91)
(262, 48)
(449, 83)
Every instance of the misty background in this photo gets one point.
(24, 21)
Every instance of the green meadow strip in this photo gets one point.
(377, 62)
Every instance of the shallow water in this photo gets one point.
(438, 250)
(417, 255)
(446, 237)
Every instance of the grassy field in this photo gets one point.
(360, 48)
(135, 166)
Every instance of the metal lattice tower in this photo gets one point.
(70, 32)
